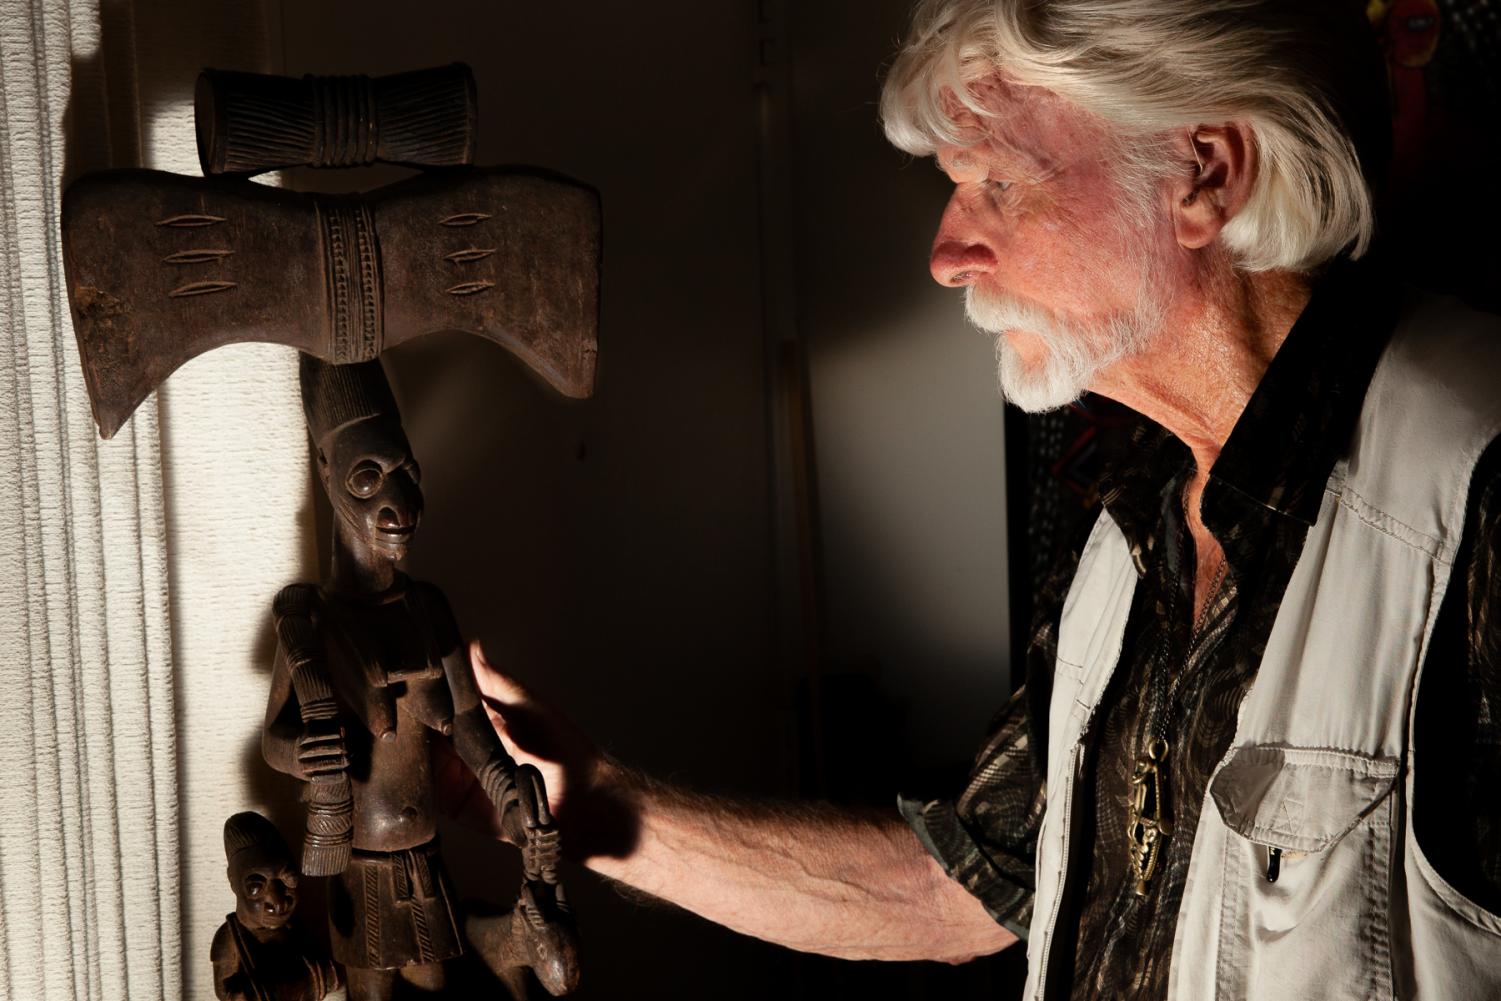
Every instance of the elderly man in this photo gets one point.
(1257, 751)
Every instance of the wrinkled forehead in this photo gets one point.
(1030, 130)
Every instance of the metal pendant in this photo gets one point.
(1146, 826)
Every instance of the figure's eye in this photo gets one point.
(255, 885)
(997, 185)
(414, 471)
(289, 880)
(365, 479)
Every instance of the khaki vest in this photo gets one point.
(1321, 765)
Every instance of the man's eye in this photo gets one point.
(254, 885)
(365, 480)
(996, 184)
(414, 471)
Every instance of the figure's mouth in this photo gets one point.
(396, 533)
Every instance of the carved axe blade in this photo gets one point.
(162, 268)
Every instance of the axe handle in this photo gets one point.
(252, 122)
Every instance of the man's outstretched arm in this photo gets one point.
(846, 883)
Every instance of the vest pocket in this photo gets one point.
(1320, 822)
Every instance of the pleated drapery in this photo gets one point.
(89, 895)
(128, 722)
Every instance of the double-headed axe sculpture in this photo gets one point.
(161, 267)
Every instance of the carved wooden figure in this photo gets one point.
(258, 953)
(370, 671)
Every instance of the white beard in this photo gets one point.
(1073, 355)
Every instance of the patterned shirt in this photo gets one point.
(1263, 494)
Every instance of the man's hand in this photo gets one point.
(818, 878)
(537, 734)
(583, 786)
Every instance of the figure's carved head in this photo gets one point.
(364, 459)
(261, 871)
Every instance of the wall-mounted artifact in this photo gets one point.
(161, 268)
(259, 953)
(249, 122)
(370, 671)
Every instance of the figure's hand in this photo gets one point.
(321, 752)
(540, 848)
(536, 734)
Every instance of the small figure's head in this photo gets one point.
(261, 872)
(364, 460)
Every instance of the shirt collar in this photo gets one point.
(1296, 425)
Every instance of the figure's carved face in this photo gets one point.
(372, 484)
(266, 893)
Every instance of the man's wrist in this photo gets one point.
(604, 818)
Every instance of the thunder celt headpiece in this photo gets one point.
(334, 396)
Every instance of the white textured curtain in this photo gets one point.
(135, 574)
(89, 893)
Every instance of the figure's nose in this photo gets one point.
(960, 255)
(401, 505)
(395, 518)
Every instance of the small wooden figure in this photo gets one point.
(258, 953)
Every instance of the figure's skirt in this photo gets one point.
(393, 909)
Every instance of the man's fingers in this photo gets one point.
(492, 683)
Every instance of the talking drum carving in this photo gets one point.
(370, 670)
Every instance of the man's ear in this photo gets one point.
(1220, 169)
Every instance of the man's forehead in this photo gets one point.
(1028, 128)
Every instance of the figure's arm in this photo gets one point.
(228, 983)
(283, 723)
(287, 743)
(478, 746)
(846, 883)
(318, 754)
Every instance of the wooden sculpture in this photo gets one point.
(162, 267)
(370, 671)
(259, 954)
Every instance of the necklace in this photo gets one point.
(1147, 819)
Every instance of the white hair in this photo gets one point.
(1295, 71)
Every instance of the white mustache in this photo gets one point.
(997, 313)
(1073, 355)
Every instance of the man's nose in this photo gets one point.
(960, 255)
